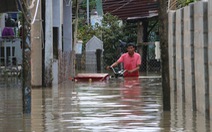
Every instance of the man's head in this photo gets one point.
(131, 44)
(131, 48)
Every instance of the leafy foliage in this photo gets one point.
(130, 32)
(110, 33)
(86, 32)
(183, 3)
(92, 4)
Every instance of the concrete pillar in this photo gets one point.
(188, 46)
(36, 48)
(201, 56)
(179, 53)
(210, 54)
(172, 49)
(67, 27)
(67, 37)
(48, 40)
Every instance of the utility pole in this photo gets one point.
(163, 32)
(36, 47)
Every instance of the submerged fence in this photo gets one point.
(190, 55)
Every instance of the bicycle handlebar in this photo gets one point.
(119, 73)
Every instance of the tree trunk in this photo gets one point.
(163, 32)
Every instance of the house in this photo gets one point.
(50, 39)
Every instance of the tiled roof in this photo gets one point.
(131, 9)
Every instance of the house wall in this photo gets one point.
(59, 18)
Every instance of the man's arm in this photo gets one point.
(116, 63)
(113, 65)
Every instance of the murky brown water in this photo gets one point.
(114, 106)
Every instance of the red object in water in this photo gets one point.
(91, 77)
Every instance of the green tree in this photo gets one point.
(86, 32)
(130, 32)
(112, 32)
(92, 4)
(183, 3)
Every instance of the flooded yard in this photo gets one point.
(118, 105)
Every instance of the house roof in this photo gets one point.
(131, 9)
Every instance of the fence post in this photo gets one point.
(190, 95)
(201, 56)
(98, 59)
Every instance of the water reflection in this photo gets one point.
(11, 107)
(186, 120)
(114, 106)
(125, 105)
(26, 100)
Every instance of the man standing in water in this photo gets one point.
(131, 61)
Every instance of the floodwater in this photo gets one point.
(118, 105)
